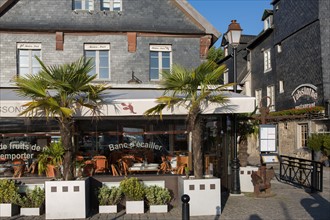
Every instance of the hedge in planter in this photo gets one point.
(32, 201)
(8, 198)
(158, 198)
(109, 199)
(134, 193)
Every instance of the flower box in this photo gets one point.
(158, 208)
(134, 207)
(108, 208)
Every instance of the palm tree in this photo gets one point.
(60, 92)
(192, 89)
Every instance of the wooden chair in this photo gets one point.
(182, 162)
(101, 164)
(89, 168)
(165, 166)
(114, 170)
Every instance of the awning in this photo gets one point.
(134, 102)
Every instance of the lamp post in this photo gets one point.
(233, 36)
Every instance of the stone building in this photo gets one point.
(287, 71)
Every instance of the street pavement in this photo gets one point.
(287, 203)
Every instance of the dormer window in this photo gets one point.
(111, 5)
(268, 22)
(83, 5)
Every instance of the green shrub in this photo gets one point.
(109, 196)
(315, 142)
(157, 195)
(33, 198)
(132, 188)
(8, 191)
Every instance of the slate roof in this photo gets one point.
(155, 16)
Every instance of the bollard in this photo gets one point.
(185, 207)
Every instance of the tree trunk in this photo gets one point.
(196, 126)
(66, 129)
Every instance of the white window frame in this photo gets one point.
(160, 49)
(302, 135)
(97, 48)
(111, 5)
(279, 48)
(268, 22)
(281, 86)
(29, 47)
(271, 95)
(83, 5)
(267, 60)
(258, 95)
(226, 76)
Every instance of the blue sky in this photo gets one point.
(220, 12)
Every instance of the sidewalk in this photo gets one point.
(289, 203)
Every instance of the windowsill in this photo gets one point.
(268, 70)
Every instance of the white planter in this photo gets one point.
(245, 178)
(31, 211)
(108, 209)
(205, 195)
(134, 207)
(158, 208)
(8, 210)
(67, 199)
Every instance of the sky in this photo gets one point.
(219, 13)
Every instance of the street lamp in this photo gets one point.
(233, 36)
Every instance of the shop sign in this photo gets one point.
(150, 145)
(305, 96)
(20, 146)
(29, 46)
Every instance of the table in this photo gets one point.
(148, 168)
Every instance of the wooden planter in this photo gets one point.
(158, 208)
(8, 210)
(32, 211)
(134, 207)
(108, 208)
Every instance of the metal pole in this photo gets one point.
(185, 207)
(236, 185)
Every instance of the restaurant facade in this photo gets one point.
(130, 45)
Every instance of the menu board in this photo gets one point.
(267, 138)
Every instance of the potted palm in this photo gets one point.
(8, 198)
(109, 199)
(158, 198)
(134, 193)
(196, 90)
(32, 202)
(61, 92)
(50, 159)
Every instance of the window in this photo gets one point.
(302, 135)
(27, 63)
(83, 5)
(111, 5)
(271, 99)
(268, 22)
(100, 54)
(160, 60)
(225, 77)
(281, 86)
(258, 95)
(267, 62)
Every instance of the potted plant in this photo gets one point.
(109, 199)
(50, 159)
(8, 198)
(158, 198)
(32, 202)
(134, 193)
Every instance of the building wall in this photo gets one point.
(185, 51)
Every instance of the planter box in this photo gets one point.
(205, 195)
(8, 210)
(134, 207)
(158, 208)
(31, 211)
(67, 199)
(245, 178)
(108, 209)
